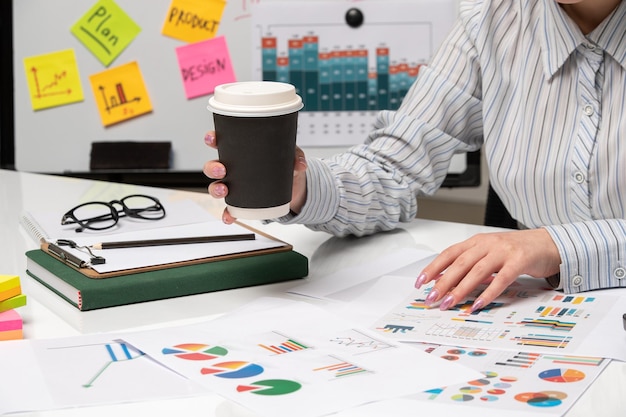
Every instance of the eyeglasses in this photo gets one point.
(100, 215)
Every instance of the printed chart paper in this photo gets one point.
(531, 382)
(83, 370)
(527, 316)
(278, 357)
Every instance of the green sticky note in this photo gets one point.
(13, 302)
(106, 30)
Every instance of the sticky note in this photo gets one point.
(9, 286)
(13, 302)
(11, 325)
(120, 93)
(53, 79)
(204, 65)
(9, 281)
(193, 20)
(105, 30)
(11, 292)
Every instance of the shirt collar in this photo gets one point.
(560, 36)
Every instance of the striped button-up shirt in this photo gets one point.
(548, 106)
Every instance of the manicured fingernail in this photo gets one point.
(447, 302)
(219, 190)
(421, 278)
(218, 171)
(478, 304)
(431, 297)
(209, 139)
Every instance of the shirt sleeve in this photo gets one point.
(374, 186)
(593, 254)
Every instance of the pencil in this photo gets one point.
(174, 241)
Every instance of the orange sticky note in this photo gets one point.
(193, 20)
(53, 79)
(120, 93)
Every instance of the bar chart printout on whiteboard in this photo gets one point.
(345, 74)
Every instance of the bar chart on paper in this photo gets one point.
(346, 71)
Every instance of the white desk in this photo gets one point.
(47, 316)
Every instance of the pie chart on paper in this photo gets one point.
(195, 351)
(234, 369)
(562, 375)
(271, 387)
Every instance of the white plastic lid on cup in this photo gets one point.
(255, 99)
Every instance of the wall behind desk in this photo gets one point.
(58, 139)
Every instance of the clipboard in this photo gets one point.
(88, 271)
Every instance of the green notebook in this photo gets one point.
(89, 294)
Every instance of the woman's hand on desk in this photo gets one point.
(494, 258)
(216, 170)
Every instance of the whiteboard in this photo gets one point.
(58, 139)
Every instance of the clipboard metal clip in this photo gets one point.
(71, 259)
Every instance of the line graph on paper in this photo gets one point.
(96, 369)
(103, 355)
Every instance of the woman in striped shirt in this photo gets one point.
(540, 86)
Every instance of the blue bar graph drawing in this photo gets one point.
(337, 80)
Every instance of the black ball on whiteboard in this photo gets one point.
(354, 17)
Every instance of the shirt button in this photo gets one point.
(577, 281)
(579, 177)
(619, 273)
(588, 109)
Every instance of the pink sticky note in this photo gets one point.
(10, 320)
(204, 65)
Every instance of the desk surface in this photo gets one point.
(47, 316)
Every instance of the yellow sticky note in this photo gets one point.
(193, 20)
(120, 93)
(53, 79)
(9, 281)
(106, 30)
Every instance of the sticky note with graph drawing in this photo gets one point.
(120, 93)
(53, 79)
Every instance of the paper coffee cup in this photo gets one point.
(256, 127)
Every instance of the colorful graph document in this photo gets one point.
(346, 60)
(81, 371)
(523, 381)
(527, 316)
(276, 356)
